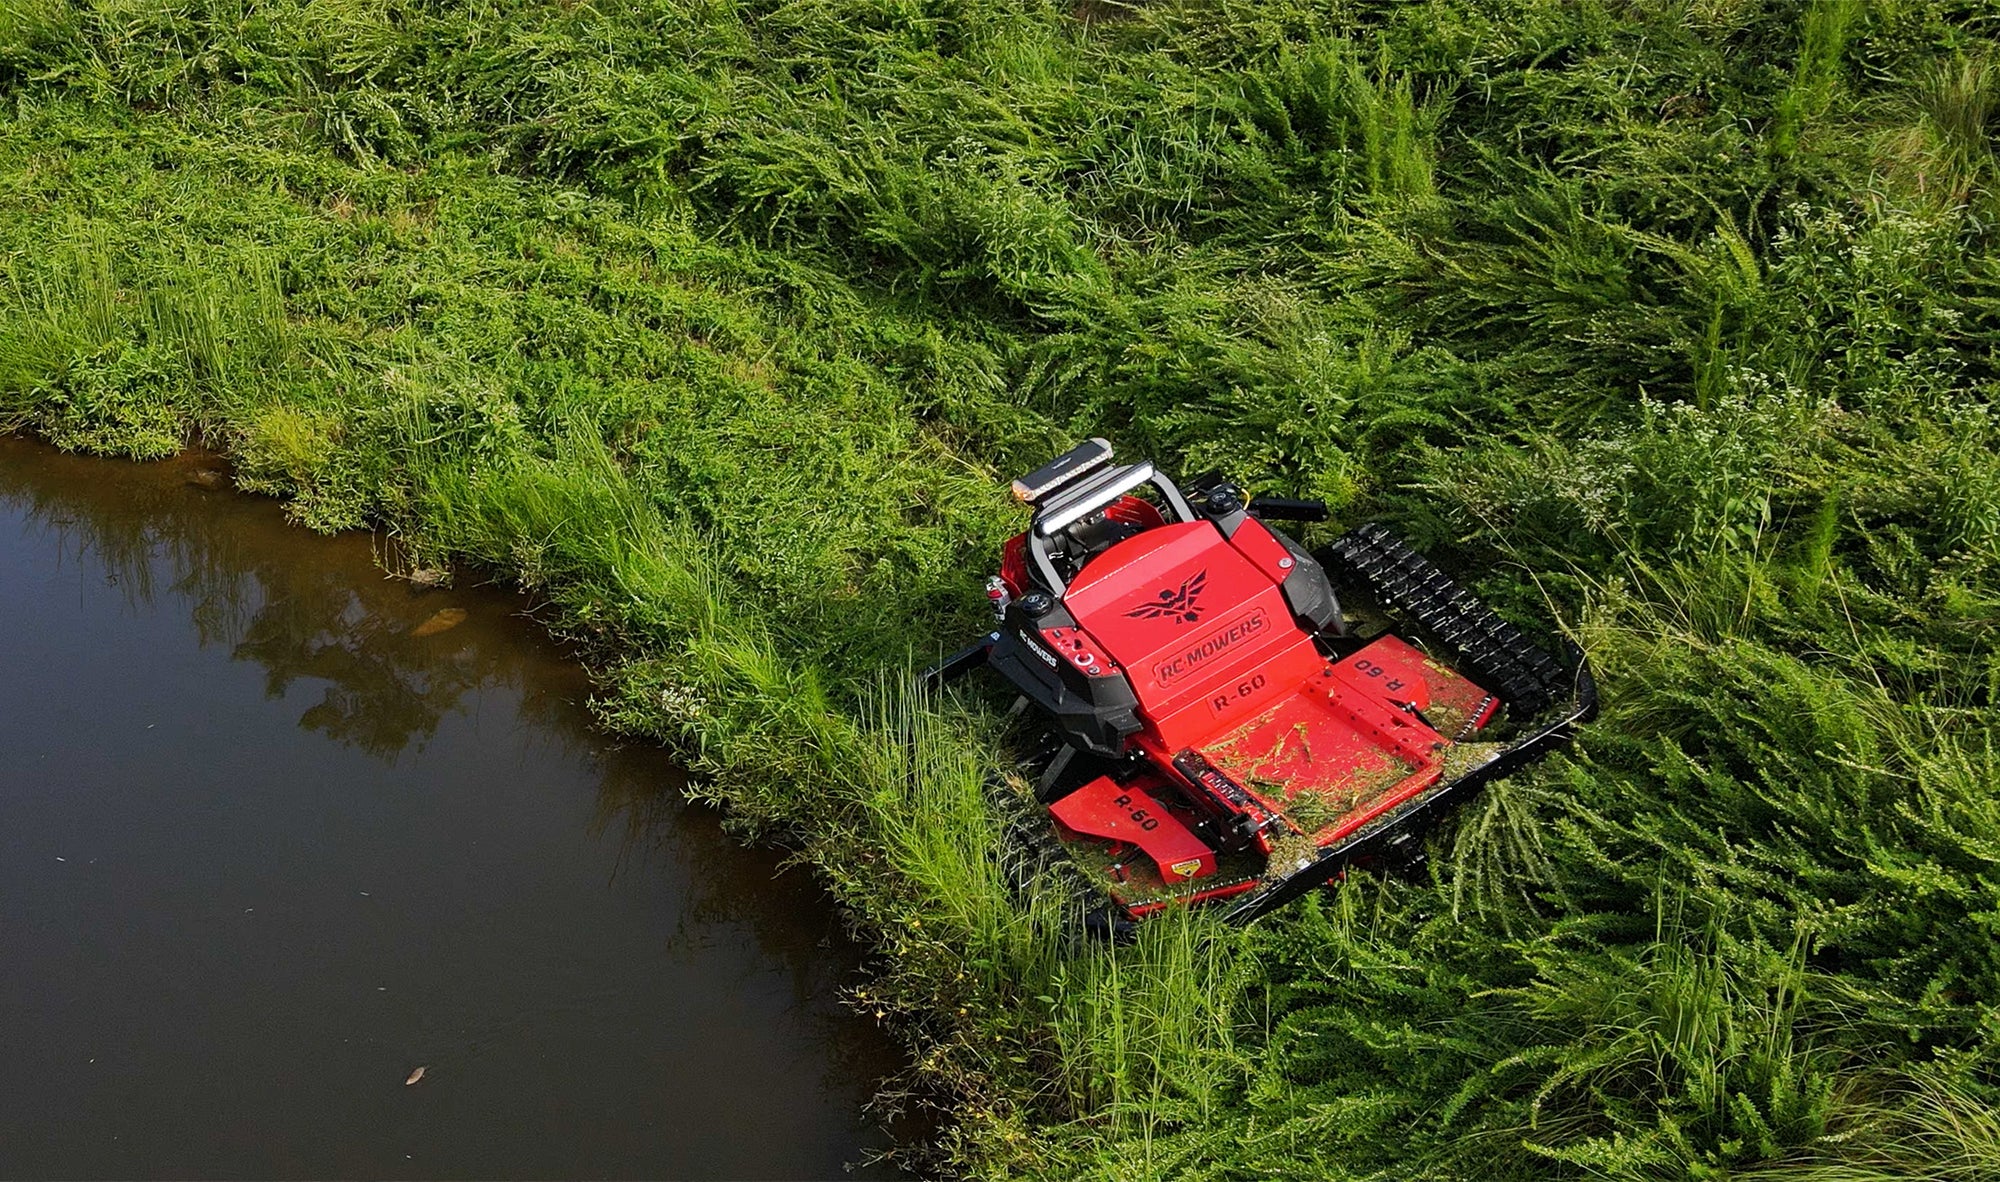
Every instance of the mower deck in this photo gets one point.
(1360, 737)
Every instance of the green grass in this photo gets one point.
(719, 326)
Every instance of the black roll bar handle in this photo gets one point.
(1098, 494)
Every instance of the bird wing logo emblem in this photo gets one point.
(1183, 602)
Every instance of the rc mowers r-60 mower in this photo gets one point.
(1218, 727)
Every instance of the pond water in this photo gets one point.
(277, 831)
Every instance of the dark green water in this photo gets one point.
(264, 852)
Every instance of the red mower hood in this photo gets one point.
(1202, 630)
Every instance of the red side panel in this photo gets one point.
(1134, 511)
(1255, 542)
(1392, 670)
(1127, 813)
(1014, 565)
(1202, 631)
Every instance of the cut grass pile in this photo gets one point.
(720, 324)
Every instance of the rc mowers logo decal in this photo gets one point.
(1183, 603)
(1218, 642)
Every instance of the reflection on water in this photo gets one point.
(319, 833)
(268, 599)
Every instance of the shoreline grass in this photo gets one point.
(718, 324)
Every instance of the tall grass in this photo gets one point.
(1955, 103)
(718, 326)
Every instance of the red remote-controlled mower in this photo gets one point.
(1220, 729)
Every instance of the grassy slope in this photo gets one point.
(716, 323)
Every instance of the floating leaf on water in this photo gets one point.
(414, 1077)
(450, 617)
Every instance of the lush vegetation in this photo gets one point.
(719, 325)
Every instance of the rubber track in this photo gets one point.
(1489, 650)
